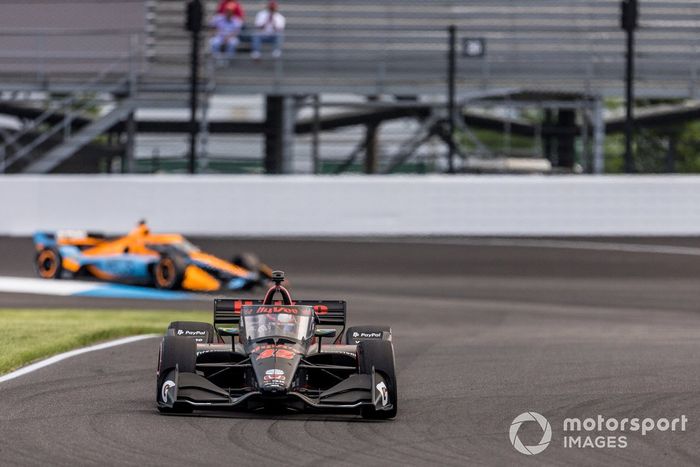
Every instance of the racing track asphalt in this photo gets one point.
(482, 334)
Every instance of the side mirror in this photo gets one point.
(325, 333)
(229, 331)
(321, 333)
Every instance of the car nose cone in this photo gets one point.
(274, 382)
(274, 390)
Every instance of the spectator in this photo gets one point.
(228, 27)
(237, 8)
(269, 29)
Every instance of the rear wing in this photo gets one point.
(227, 311)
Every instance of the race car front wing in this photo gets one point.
(194, 390)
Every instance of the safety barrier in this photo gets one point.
(287, 206)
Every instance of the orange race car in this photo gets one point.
(166, 261)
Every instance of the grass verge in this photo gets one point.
(30, 335)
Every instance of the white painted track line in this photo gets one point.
(44, 286)
(63, 356)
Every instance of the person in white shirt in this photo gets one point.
(269, 29)
(228, 27)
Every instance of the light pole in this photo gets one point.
(195, 14)
(630, 14)
(451, 86)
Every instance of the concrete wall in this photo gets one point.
(354, 205)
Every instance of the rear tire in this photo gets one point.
(175, 352)
(379, 354)
(49, 263)
(169, 272)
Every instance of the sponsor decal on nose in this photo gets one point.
(274, 376)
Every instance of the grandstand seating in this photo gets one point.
(398, 46)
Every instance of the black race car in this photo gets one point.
(279, 355)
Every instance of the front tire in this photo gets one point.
(379, 355)
(169, 272)
(252, 263)
(49, 263)
(175, 352)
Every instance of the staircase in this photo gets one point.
(70, 146)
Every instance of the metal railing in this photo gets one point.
(120, 76)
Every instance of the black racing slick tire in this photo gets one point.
(251, 262)
(169, 272)
(175, 352)
(379, 355)
(203, 333)
(49, 263)
(248, 261)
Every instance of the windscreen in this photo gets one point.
(277, 321)
(185, 246)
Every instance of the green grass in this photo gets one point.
(30, 335)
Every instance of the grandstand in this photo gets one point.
(363, 48)
(398, 47)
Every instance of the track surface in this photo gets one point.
(482, 334)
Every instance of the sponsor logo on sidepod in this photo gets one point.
(367, 335)
(180, 332)
(371, 335)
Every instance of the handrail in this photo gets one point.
(90, 86)
(64, 105)
(45, 135)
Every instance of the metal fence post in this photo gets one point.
(315, 135)
(67, 119)
(598, 137)
(451, 89)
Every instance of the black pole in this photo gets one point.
(195, 14)
(451, 84)
(629, 24)
(629, 97)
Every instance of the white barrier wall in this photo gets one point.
(355, 205)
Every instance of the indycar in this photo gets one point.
(166, 261)
(277, 355)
